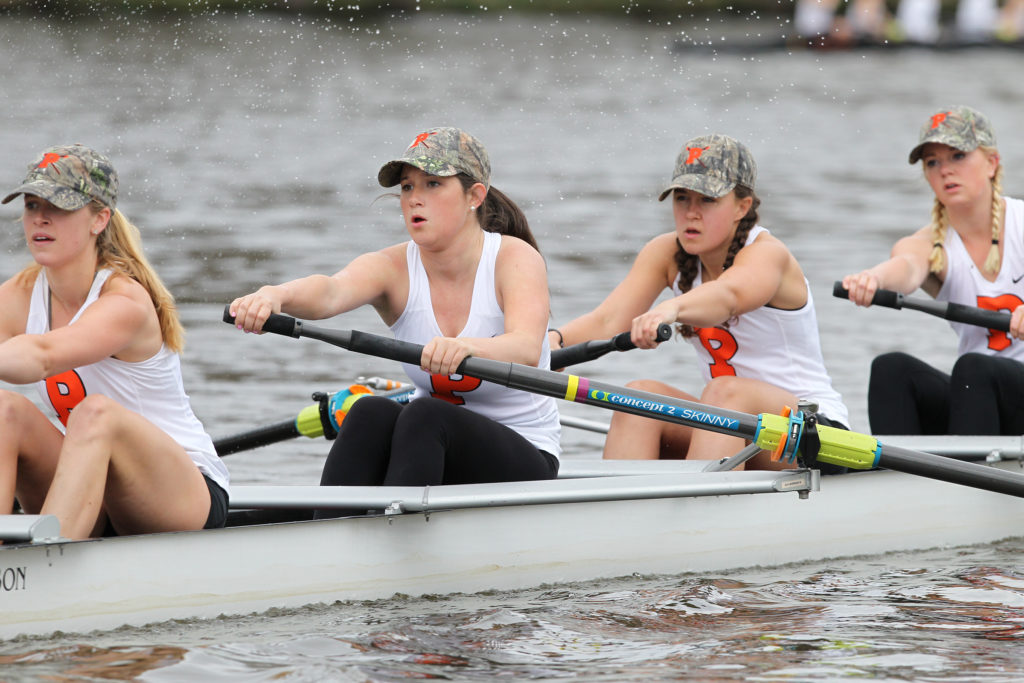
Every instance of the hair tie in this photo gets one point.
(937, 245)
(996, 242)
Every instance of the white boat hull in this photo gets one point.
(106, 583)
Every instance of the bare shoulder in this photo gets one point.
(384, 263)
(765, 246)
(918, 243)
(15, 295)
(664, 244)
(133, 307)
(122, 285)
(517, 249)
(390, 257)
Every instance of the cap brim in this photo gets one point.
(390, 173)
(915, 154)
(918, 152)
(704, 184)
(61, 197)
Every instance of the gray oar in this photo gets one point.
(785, 436)
(958, 313)
(320, 420)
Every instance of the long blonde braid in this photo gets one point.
(992, 261)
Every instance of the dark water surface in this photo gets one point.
(248, 148)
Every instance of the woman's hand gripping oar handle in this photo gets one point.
(589, 350)
(958, 313)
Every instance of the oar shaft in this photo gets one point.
(257, 437)
(951, 470)
(958, 313)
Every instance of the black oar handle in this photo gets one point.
(883, 297)
(580, 353)
(969, 315)
(276, 323)
(264, 436)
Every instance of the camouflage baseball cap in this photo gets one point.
(69, 177)
(960, 127)
(441, 152)
(712, 165)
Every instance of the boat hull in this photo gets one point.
(105, 583)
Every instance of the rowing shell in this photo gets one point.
(599, 520)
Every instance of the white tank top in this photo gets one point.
(965, 285)
(152, 388)
(532, 416)
(772, 345)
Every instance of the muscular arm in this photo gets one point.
(121, 322)
(906, 269)
(763, 272)
(649, 275)
(375, 278)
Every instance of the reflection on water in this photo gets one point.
(938, 615)
(248, 149)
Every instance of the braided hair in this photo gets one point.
(689, 264)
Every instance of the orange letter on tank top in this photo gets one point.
(997, 339)
(722, 346)
(445, 386)
(65, 391)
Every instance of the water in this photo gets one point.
(248, 148)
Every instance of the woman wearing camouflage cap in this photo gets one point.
(469, 282)
(971, 253)
(740, 298)
(91, 324)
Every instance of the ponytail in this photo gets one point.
(500, 214)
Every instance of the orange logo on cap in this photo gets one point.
(694, 153)
(422, 137)
(51, 158)
(938, 119)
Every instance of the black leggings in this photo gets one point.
(425, 443)
(984, 395)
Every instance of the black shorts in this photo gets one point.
(826, 467)
(217, 518)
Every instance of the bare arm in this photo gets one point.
(121, 322)
(650, 274)
(14, 298)
(905, 271)
(763, 272)
(373, 278)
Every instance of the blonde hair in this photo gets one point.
(119, 248)
(940, 223)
